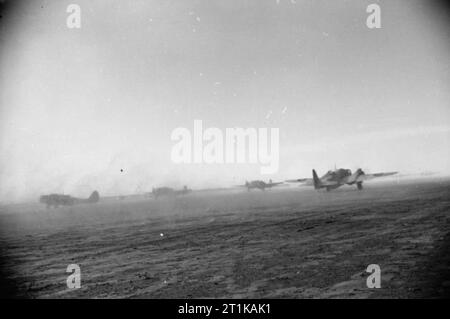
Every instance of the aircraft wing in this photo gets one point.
(366, 177)
(275, 184)
(302, 181)
(299, 180)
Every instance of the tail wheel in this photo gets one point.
(359, 184)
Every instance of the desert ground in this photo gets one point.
(282, 243)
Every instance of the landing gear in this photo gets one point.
(359, 184)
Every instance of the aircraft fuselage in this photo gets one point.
(337, 178)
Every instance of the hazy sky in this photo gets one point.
(79, 105)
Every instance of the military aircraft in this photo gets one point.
(56, 200)
(339, 177)
(259, 185)
(167, 191)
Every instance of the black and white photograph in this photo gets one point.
(224, 150)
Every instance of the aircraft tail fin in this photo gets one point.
(94, 198)
(316, 179)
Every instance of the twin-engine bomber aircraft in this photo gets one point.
(339, 177)
(260, 185)
(56, 200)
(169, 192)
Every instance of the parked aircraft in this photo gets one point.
(56, 200)
(167, 191)
(258, 184)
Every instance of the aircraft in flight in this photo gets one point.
(259, 185)
(167, 191)
(338, 177)
(56, 200)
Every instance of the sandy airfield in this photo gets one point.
(281, 243)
